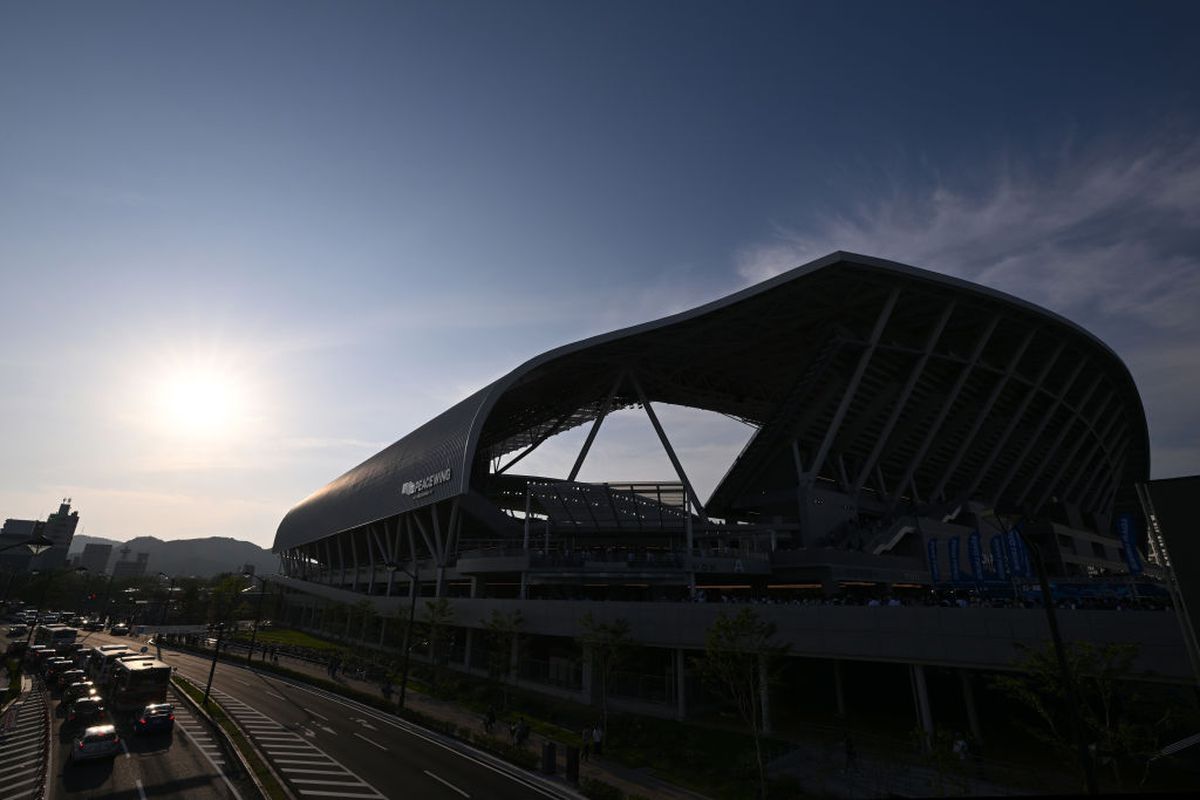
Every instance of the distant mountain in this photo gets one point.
(188, 557)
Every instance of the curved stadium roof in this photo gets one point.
(921, 385)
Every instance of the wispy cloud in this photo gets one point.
(1108, 236)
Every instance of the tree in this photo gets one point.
(436, 620)
(1112, 716)
(503, 633)
(738, 657)
(608, 644)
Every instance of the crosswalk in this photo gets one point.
(23, 749)
(197, 733)
(307, 768)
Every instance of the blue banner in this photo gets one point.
(1127, 528)
(975, 554)
(997, 547)
(1014, 554)
(952, 554)
(933, 560)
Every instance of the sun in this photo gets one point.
(200, 402)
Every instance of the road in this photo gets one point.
(325, 746)
(188, 763)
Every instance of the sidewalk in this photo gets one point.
(638, 782)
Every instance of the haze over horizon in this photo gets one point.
(243, 247)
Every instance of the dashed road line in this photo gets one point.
(445, 783)
(371, 741)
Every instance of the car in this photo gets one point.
(93, 625)
(77, 690)
(155, 718)
(98, 741)
(120, 629)
(85, 712)
(53, 666)
(68, 676)
(18, 631)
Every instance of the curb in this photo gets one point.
(449, 742)
(233, 748)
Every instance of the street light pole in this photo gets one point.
(414, 590)
(257, 617)
(213, 667)
(166, 605)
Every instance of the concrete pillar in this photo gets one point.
(439, 587)
(524, 586)
(916, 674)
(968, 688)
(475, 584)
(587, 689)
(680, 685)
(838, 693)
(469, 639)
(382, 630)
(764, 693)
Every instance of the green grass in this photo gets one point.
(290, 638)
(261, 771)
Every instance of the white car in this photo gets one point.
(98, 741)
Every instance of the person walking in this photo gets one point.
(598, 740)
(585, 750)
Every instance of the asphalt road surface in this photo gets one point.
(188, 763)
(325, 746)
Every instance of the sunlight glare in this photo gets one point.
(199, 402)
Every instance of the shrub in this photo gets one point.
(599, 790)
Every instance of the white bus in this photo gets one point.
(60, 637)
(102, 658)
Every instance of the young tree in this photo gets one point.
(738, 660)
(609, 644)
(436, 620)
(503, 632)
(1113, 718)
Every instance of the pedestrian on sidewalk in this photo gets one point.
(585, 749)
(598, 740)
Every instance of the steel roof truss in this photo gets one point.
(1049, 490)
(1052, 451)
(591, 437)
(951, 398)
(666, 443)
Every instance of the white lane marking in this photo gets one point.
(23, 765)
(217, 763)
(309, 760)
(315, 714)
(141, 791)
(125, 747)
(312, 771)
(277, 737)
(275, 694)
(347, 784)
(445, 783)
(288, 749)
(365, 739)
(323, 793)
(413, 730)
(243, 683)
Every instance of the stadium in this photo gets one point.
(906, 423)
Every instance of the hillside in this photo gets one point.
(199, 557)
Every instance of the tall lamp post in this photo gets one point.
(37, 544)
(1064, 669)
(257, 615)
(414, 590)
(170, 592)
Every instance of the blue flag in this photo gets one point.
(1126, 527)
(997, 547)
(975, 554)
(952, 554)
(1014, 553)
(933, 560)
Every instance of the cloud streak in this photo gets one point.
(1108, 236)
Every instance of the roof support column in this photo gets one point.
(1085, 466)
(803, 482)
(666, 443)
(982, 416)
(864, 361)
(371, 559)
(536, 443)
(944, 412)
(902, 400)
(591, 437)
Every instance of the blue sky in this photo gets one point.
(349, 215)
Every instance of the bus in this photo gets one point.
(60, 637)
(102, 658)
(135, 683)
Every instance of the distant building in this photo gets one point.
(59, 528)
(95, 558)
(126, 568)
